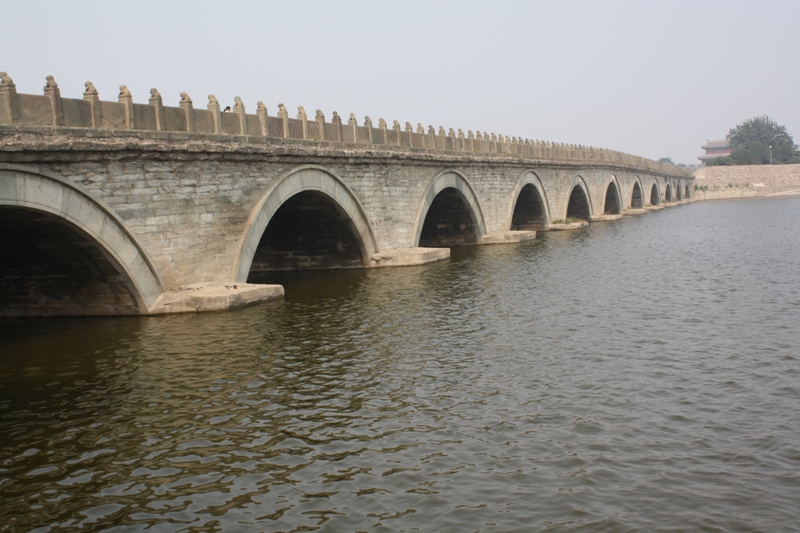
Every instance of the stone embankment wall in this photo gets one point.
(746, 181)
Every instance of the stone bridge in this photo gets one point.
(124, 208)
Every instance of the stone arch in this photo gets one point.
(88, 262)
(678, 192)
(461, 191)
(322, 186)
(529, 208)
(612, 204)
(687, 192)
(655, 194)
(579, 201)
(668, 193)
(637, 194)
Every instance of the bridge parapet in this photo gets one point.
(51, 109)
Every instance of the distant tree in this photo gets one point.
(751, 141)
(724, 161)
(666, 160)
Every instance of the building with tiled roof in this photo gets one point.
(715, 149)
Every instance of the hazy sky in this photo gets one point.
(652, 78)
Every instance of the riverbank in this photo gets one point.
(746, 181)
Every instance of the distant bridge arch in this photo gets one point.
(655, 194)
(449, 200)
(579, 202)
(637, 194)
(612, 203)
(529, 208)
(311, 188)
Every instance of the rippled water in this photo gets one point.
(634, 375)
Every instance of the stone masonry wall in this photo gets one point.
(720, 182)
(188, 199)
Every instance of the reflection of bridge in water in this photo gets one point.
(123, 208)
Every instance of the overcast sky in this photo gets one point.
(651, 78)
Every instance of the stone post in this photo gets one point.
(385, 129)
(462, 145)
(213, 106)
(430, 138)
(158, 103)
(398, 132)
(319, 118)
(283, 115)
(126, 99)
(238, 108)
(9, 103)
(352, 123)
(263, 118)
(368, 126)
(51, 89)
(303, 118)
(470, 141)
(91, 96)
(188, 110)
(337, 122)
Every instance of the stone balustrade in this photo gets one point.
(51, 109)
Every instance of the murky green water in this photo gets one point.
(635, 375)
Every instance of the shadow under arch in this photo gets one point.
(457, 195)
(668, 193)
(320, 186)
(655, 194)
(678, 192)
(612, 204)
(637, 194)
(70, 255)
(529, 208)
(579, 201)
(687, 192)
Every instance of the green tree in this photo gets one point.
(751, 141)
(666, 160)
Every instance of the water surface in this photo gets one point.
(640, 374)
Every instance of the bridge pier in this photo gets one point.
(409, 257)
(508, 237)
(204, 297)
